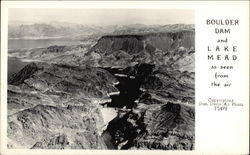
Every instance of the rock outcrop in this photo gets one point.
(169, 48)
(55, 127)
(167, 126)
(57, 106)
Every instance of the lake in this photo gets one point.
(14, 44)
(15, 65)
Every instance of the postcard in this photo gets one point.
(128, 77)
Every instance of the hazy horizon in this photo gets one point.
(102, 16)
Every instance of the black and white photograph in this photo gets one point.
(101, 79)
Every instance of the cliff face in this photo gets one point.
(154, 48)
(56, 106)
(133, 44)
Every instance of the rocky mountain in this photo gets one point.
(56, 106)
(175, 49)
(71, 55)
(166, 126)
(159, 110)
(54, 127)
(146, 73)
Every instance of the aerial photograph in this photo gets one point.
(101, 79)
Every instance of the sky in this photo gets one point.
(103, 16)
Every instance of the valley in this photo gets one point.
(130, 88)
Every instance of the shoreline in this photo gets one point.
(24, 60)
(39, 38)
(46, 42)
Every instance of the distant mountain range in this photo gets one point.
(47, 30)
(18, 29)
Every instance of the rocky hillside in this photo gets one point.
(56, 106)
(59, 54)
(55, 127)
(166, 126)
(159, 112)
(171, 48)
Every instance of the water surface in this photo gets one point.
(14, 44)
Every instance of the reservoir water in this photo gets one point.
(15, 65)
(14, 44)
